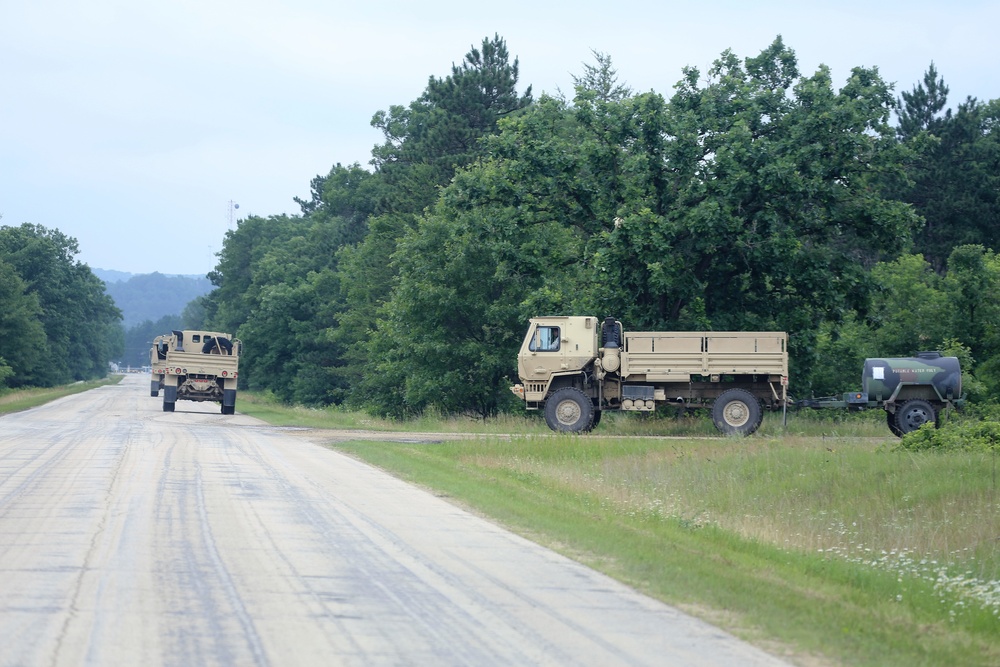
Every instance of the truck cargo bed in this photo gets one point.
(676, 356)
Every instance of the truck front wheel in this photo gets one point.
(569, 410)
(913, 414)
(737, 412)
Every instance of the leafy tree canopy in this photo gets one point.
(80, 321)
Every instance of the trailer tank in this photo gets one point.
(911, 390)
(928, 375)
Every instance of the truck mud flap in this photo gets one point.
(228, 401)
(169, 398)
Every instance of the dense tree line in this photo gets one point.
(754, 197)
(57, 324)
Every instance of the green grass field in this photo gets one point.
(818, 540)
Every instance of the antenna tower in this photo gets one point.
(232, 208)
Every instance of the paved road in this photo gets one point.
(129, 536)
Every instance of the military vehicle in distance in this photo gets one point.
(912, 390)
(157, 354)
(195, 366)
(575, 368)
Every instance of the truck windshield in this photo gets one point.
(546, 339)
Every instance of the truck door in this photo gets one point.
(542, 352)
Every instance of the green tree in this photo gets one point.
(465, 276)
(345, 199)
(954, 178)
(440, 131)
(195, 314)
(81, 322)
(425, 143)
(366, 275)
(911, 311)
(22, 338)
(236, 291)
(770, 216)
(277, 291)
(972, 282)
(919, 110)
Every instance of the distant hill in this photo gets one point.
(110, 276)
(150, 296)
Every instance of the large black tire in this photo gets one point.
(913, 414)
(737, 412)
(228, 409)
(569, 410)
(890, 421)
(168, 407)
(224, 345)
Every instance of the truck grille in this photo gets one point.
(534, 391)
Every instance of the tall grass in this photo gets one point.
(847, 496)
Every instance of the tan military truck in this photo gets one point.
(574, 368)
(196, 366)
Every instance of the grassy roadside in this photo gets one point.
(825, 548)
(15, 400)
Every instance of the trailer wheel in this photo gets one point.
(890, 420)
(737, 412)
(569, 410)
(913, 414)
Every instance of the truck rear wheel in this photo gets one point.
(913, 414)
(569, 410)
(737, 412)
(168, 407)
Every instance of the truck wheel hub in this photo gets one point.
(737, 413)
(568, 412)
(915, 418)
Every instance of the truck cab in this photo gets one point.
(555, 346)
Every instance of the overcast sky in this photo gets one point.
(131, 126)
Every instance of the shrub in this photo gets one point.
(968, 433)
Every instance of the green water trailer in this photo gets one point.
(911, 390)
